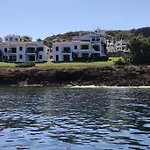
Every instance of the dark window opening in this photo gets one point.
(57, 48)
(85, 55)
(12, 58)
(39, 48)
(93, 39)
(30, 50)
(57, 58)
(20, 56)
(5, 50)
(66, 58)
(74, 55)
(16, 39)
(40, 56)
(13, 50)
(84, 46)
(11, 39)
(96, 47)
(66, 50)
(75, 47)
(31, 58)
(20, 48)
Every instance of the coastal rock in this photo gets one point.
(60, 76)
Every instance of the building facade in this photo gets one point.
(13, 49)
(117, 46)
(87, 47)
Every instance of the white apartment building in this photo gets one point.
(15, 38)
(121, 46)
(13, 49)
(87, 47)
(118, 46)
(110, 46)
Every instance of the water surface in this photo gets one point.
(71, 119)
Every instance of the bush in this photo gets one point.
(26, 64)
(121, 62)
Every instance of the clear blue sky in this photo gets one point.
(41, 18)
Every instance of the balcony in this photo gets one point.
(66, 50)
(30, 50)
(96, 47)
(12, 51)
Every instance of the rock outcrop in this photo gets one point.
(59, 76)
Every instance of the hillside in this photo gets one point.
(111, 34)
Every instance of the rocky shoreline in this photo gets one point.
(61, 76)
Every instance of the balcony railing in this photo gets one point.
(30, 50)
(12, 50)
(66, 51)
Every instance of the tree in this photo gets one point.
(39, 40)
(140, 50)
(27, 39)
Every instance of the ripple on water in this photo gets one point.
(44, 118)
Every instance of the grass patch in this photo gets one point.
(7, 64)
(26, 64)
(110, 62)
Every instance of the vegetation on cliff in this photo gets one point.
(140, 50)
(110, 34)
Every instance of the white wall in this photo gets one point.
(23, 51)
(78, 50)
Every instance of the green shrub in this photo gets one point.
(26, 64)
(121, 62)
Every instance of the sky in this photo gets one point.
(42, 18)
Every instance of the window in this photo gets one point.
(75, 47)
(84, 46)
(11, 39)
(96, 47)
(57, 58)
(20, 56)
(57, 48)
(13, 50)
(93, 39)
(31, 58)
(20, 48)
(74, 55)
(6, 39)
(40, 56)
(66, 50)
(16, 39)
(85, 55)
(39, 48)
(12, 58)
(5, 50)
(30, 50)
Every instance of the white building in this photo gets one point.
(110, 46)
(121, 46)
(87, 47)
(118, 46)
(13, 50)
(15, 38)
